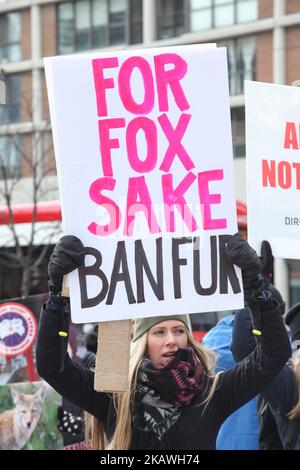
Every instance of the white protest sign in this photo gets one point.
(273, 167)
(144, 158)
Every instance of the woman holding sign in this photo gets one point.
(175, 401)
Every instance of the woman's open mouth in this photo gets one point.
(169, 354)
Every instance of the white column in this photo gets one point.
(281, 278)
(2, 90)
(36, 55)
(278, 44)
(149, 21)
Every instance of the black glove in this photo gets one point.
(67, 255)
(69, 423)
(239, 252)
(267, 260)
(89, 360)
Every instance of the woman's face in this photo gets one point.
(164, 339)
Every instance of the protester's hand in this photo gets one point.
(69, 423)
(240, 253)
(67, 255)
(267, 259)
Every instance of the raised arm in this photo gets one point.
(243, 339)
(257, 370)
(251, 375)
(281, 392)
(70, 380)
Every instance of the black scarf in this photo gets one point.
(162, 393)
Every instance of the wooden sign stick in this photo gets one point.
(113, 353)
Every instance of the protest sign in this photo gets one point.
(144, 158)
(273, 167)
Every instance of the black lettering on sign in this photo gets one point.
(221, 271)
(93, 270)
(213, 270)
(120, 273)
(142, 265)
(177, 262)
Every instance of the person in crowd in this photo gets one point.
(240, 430)
(282, 395)
(174, 400)
(70, 416)
(91, 341)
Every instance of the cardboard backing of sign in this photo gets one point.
(113, 353)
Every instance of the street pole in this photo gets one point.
(2, 89)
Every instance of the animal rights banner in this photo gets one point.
(28, 417)
(273, 167)
(144, 159)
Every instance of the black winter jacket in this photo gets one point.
(197, 428)
(281, 393)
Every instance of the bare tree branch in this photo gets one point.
(10, 265)
(7, 197)
(27, 255)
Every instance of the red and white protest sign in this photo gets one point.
(144, 157)
(273, 167)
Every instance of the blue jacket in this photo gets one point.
(240, 430)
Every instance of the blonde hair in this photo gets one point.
(124, 402)
(295, 411)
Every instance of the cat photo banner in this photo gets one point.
(145, 168)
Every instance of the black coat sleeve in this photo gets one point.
(73, 382)
(280, 393)
(251, 375)
(243, 340)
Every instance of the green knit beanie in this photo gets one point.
(142, 325)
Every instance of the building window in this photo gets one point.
(10, 156)
(11, 111)
(170, 18)
(92, 24)
(207, 14)
(82, 25)
(117, 21)
(246, 10)
(136, 22)
(10, 36)
(241, 57)
(238, 132)
(65, 28)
